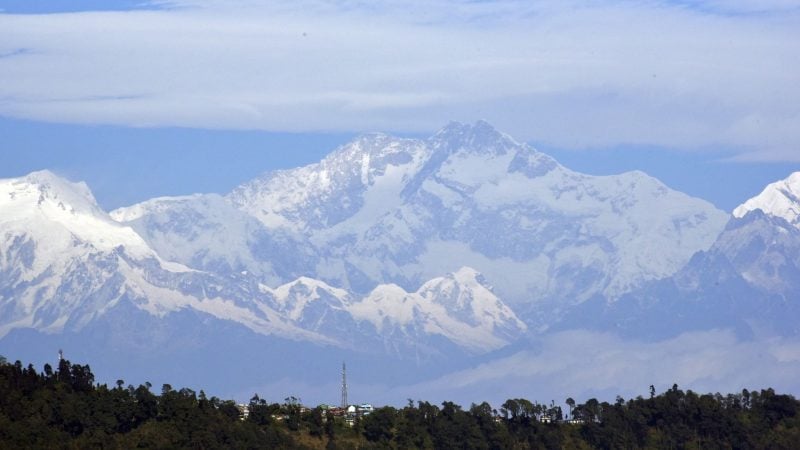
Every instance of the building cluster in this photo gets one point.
(244, 411)
(549, 419)
(351, 413)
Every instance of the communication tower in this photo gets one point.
(344, 386)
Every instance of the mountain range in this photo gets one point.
(748, 281)
(419, 256)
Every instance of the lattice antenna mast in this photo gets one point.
(344, 386)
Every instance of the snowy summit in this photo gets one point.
(779, 199)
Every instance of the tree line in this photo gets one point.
(65, 408)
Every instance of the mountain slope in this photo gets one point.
(749, 280)
(206, 232)
(408, 258)
(389, 210)
(458, 306)
(65, 264)
(51, 232)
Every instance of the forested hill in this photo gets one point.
(65, 408)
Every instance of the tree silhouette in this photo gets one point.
(571, 403)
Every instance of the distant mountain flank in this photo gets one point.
(66, 263)
(779, 199)
(385, 209)
(748, 281)
(445, 249)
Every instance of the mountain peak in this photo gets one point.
(468, 276)
(42, 175)
(480, 136)
(479, 127)
(39, 189)
(43, 203)
(779, 199)
(58, 184)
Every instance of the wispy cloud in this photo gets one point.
(585, 364)
(685, 75)
(742, 6)
(14, 52)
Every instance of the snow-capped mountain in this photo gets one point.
(749, 280)
(762, 241)
(407, 210)
(58, 211)
(779, 199)
(51, 231)
(389, 210)
(323, 195)
(458, 306)
(409, 257)
(207, 232)
(64, 263)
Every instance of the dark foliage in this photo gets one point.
(66, 409)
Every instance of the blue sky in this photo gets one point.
(177, 96)
(60, 6)
(126, 165)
